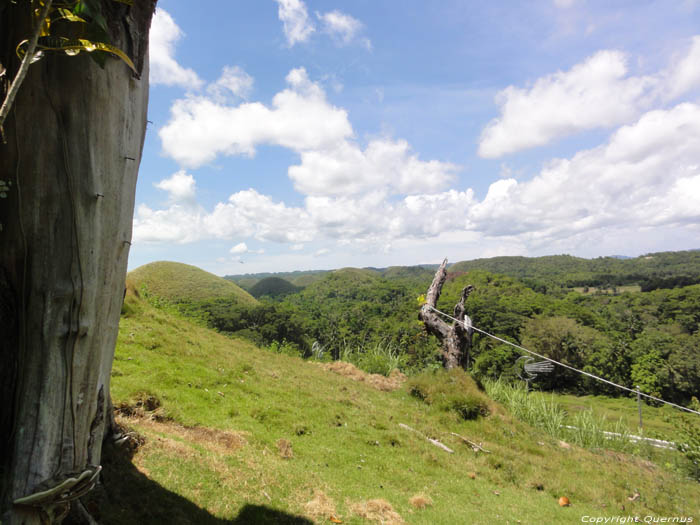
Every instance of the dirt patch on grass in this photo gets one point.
(214, 440)
(380, 382)
(321, 507)
(377, 510)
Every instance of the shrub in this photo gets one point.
(452, 391)
(689, 446)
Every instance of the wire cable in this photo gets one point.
(562, 364)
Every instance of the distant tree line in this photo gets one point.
(647, 338)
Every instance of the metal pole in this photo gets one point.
(639, 408)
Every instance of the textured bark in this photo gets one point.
(455, 338)
(74, 142)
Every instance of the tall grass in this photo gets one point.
(380, 357)
(536, 411)
(586, 431)
(590, 431)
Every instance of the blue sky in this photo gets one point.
(292, 135)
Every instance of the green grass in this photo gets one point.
(177, 282)
(658, 422)
(346, 443)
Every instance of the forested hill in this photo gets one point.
(651, 271)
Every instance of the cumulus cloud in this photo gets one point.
(181, 187)
(597, 93)
(164, 68)
(295, 19)
(233, 81)
(646, 176)
(343, 28)
(592, 94)
(300, 118)
(347, 169)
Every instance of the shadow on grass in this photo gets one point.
(127, 496)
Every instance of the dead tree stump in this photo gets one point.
(456, 339)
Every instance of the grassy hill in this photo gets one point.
(177, 282)
(273, 287)
(230, 433)
(297, 278)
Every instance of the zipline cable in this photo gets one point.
(562, 364)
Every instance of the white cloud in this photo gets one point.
(300, 118)
(346, 169)
(685, 74)
(596, 93)
(343, 27)
(233, 80)
(592, 94)
(175, 224)
(646, 177)
(322, 252)
(164, 69)
(295, 18)
(296, 247)
(181, 187)
(240, 248)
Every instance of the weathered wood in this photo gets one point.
(74, 141)
(429, 440)
(455, 338)
(475, 446)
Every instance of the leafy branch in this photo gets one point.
(88, 32)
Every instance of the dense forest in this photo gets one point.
(578, 311)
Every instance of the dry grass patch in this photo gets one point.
(285, 448)
(380, 382)
(378, 510)
(321, 507)
(421, 501)
(218, 441)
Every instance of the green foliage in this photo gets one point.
(357, 312)
(264, 324)
(566, 341)
(450, 391)
(497, 361)
(689, 445)
(547, 274)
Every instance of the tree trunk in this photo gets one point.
(455, 338)
(73, 145)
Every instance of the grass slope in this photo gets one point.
(181, 282)
(249, 436)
